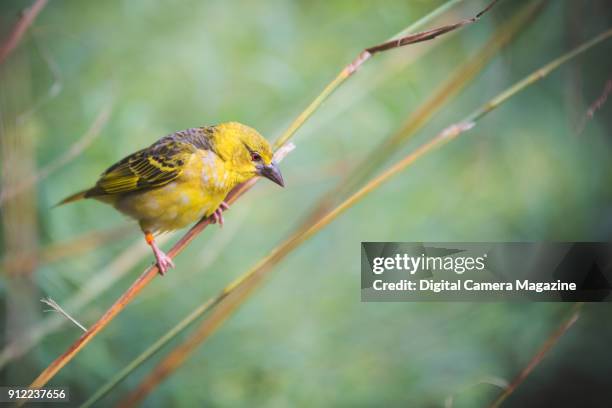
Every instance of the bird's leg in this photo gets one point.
(217, 216)
(163, 261)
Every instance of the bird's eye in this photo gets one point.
(255, 157)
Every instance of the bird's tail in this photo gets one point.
(75, 197)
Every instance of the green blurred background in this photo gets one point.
(525, 173)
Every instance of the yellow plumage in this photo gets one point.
(183, 177)
(198, 191)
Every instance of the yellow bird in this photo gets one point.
(183, 177)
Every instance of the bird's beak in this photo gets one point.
(272, 172)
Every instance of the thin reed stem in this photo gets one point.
(539, 355)
(232, 296)
(27, 18)
(537, 75)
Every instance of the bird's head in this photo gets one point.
(246, 152)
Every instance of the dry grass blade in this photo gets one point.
(57, 308)
(150, 273)
(237, 291)
(539, 355)
(427, 35)
(27, 18)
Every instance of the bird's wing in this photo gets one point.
(149, 168)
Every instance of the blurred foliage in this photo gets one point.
(305, 339)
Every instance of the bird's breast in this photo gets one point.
(197, 192)
(213, 173)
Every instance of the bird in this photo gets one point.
(183, 177)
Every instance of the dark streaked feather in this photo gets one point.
(155, 166)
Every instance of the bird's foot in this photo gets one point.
(217, 216)
(164, 262)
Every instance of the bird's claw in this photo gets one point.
(164, 262)
(217, 216)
